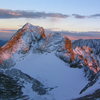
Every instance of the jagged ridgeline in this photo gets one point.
(46, 64)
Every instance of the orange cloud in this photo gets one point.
(5, 31)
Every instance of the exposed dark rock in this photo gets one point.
(9, 88)
(93, 96)
(39, 88)
(12, 81)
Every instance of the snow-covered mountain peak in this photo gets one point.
(34, 53)
(34, 29)
(28, 33)
(22, 40)
(27, 25)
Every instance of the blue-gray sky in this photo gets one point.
(61, 6)
(71, 15)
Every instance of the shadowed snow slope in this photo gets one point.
(54, 73)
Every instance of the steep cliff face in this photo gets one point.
(94, 44)
(24, 37)
(69, 48)
(79, 56)
(21, 42)
(87, 58)
(89, 52)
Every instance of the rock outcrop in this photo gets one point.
(13, 81)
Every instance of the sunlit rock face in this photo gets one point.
(90, 51)
(68, 47)
(21, 42)
(85, 54)
(79, 56)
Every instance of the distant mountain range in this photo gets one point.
(2, 42)
(40, 66)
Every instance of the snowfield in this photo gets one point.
(53, 72)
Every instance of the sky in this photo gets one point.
(63, 15)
